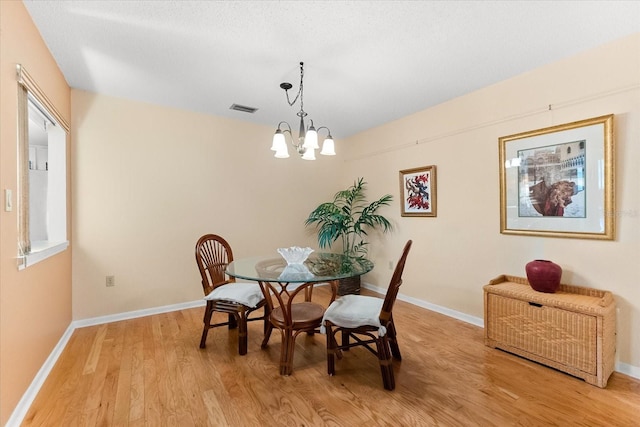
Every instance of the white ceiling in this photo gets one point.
(366, 62)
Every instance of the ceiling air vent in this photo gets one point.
(243, 108)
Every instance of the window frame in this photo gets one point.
(29, 91)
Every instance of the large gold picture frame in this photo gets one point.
(559, 181)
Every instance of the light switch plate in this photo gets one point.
(8, 203)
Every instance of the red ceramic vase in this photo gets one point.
(543, 275)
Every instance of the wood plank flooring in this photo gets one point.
(150, 372)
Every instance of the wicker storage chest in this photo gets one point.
(572, 330)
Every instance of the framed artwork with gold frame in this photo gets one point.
(559, 181)
(418, 191)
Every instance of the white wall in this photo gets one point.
(458, 252)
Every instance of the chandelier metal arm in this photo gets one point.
(284, 122)
(298, 147)
(323, 127)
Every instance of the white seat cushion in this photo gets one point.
(352, 311)
(247, 293)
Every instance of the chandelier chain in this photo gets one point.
(300, 91)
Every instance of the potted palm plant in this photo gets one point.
(347, 218)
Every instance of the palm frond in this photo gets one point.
(347, 217)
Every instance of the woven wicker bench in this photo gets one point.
(572, 330)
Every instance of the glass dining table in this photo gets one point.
(282, 282)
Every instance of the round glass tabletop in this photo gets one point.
(319, 267)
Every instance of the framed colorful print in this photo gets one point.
(418, 190)
(559, 181)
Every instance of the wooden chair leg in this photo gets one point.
(331, 351)
(393, 341)
(292, 346)
(286, 353)
(207, 321)
(386, 367)
(242, 335)
(345, 340)
(267, 334)
(233, 322)
(267, 326)
(267, 321)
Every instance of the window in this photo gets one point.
(42, 175)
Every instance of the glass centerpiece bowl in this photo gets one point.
(295, 254)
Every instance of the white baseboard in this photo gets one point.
(137, 313)
(478, 321)
(25, 402)
(624, 368)
(27, 399)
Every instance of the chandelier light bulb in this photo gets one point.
(328, 147)
(282, 152)
(311, 138)
(278, 141)
(309, 154)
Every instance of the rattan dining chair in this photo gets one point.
(366, 320)
(292, 317)
(223, 294)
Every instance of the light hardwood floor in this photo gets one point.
(150, 371)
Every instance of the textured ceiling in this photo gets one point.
(366, 62)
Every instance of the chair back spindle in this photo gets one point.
(213, 254)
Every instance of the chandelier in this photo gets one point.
(307, 142)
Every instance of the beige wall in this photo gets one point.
(458, 252)
(35, 304)
(150, 180)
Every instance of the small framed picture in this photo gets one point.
(418, 191)
(559, 181)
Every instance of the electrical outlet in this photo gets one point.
(111, 281)
(390, 265)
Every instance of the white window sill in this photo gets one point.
(42, 250)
